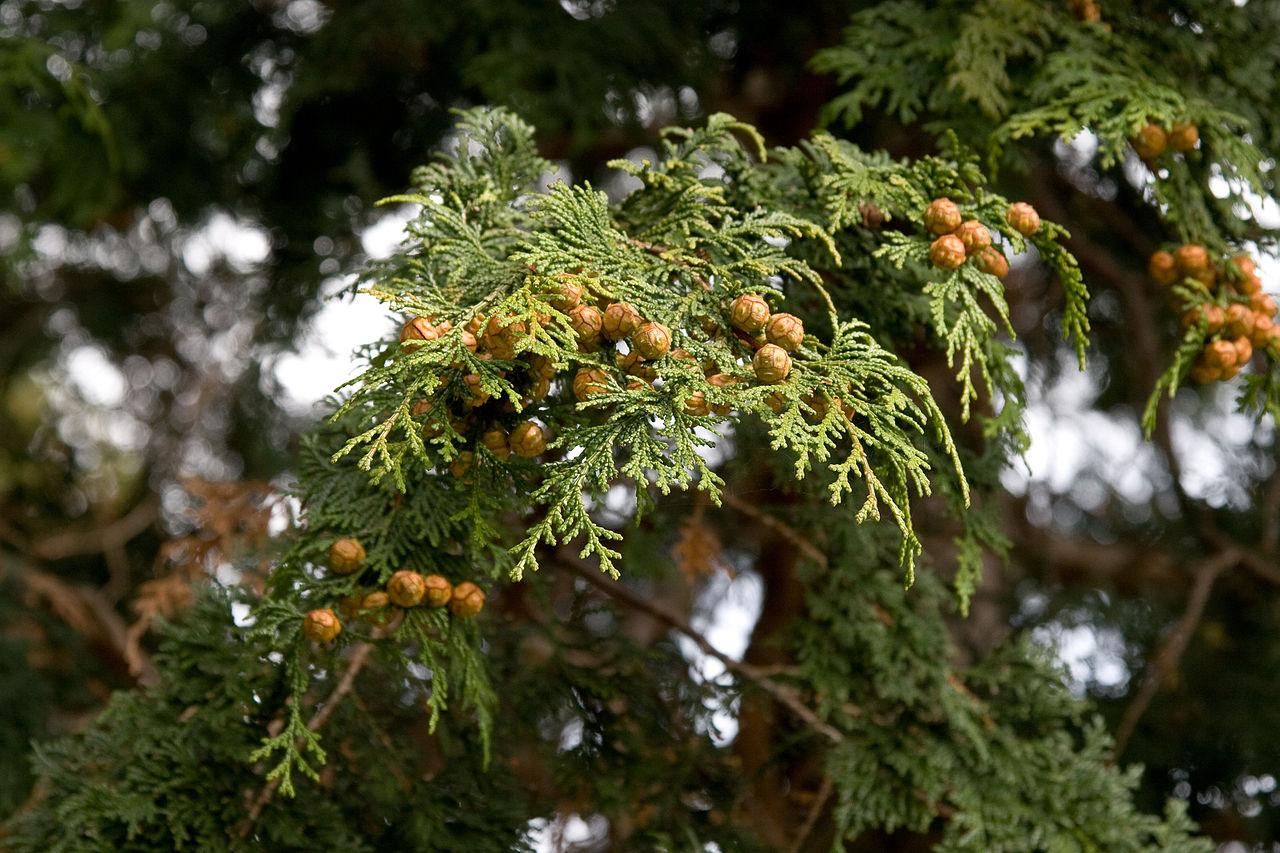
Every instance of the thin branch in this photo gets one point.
(72, 543)
(87, 612)
(781, 528)
(359, 656)
(1166, 660)
(815, 812)
(781, 692)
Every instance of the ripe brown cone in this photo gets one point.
(1023, 217)
(974, 235)
(942, 216)
(346, 555)
(438, 591)
(947, 252)
(406, 588)
(651, 341)
(620, 320)
(467, 601)
(1150, 142)
(771, 364)
(528, 439)
(321, 626)
(749, 313)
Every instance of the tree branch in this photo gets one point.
(781, 528)
(815, 812)
(73, 543)
(359, 656)
(781, 692)
(1166, 660)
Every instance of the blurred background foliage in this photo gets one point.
(185, 182)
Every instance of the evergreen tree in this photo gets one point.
(784, 350)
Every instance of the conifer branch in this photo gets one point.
(359, 656)
(780, 692)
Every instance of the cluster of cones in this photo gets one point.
(1227, 300)
(404, 589)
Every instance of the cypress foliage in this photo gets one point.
(579, 429)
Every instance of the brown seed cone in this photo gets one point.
(991, 261)
(538, 389)
(1203, 372)
(786, 331)
(1210, 313)
(1086, 10)
(501, 346)
(633, 364)
(620, 319)
(651, 341)
(467, 601)
(1263, 303)
(461, 463)
(374, 601)
(638, 385)
(776, 401)
(872, 216)
(947, 252)
(974, 235)
(417, 329)
(476, 395)
(820, 405)
(1251, 286)
(1183, 137)
(1239, 320)
(942, 216)
(349, 606)
(1150, 142)
(1162, 267)
(589, 381)
(438, 591)
(749, 313)
(568, 293)
(1263, 326)
(321, 626)
(1244, 265)
(346, 555)
(528, 439)
(1023, 218)
(696, 404)
(1272, 345)
(469, 340)
(587, 322)
(771, 364)
(406, 588)
(1220, 354)
(1191, 259)
(1244, 351)
(722, 380)
(496, 441)
(540, 365)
